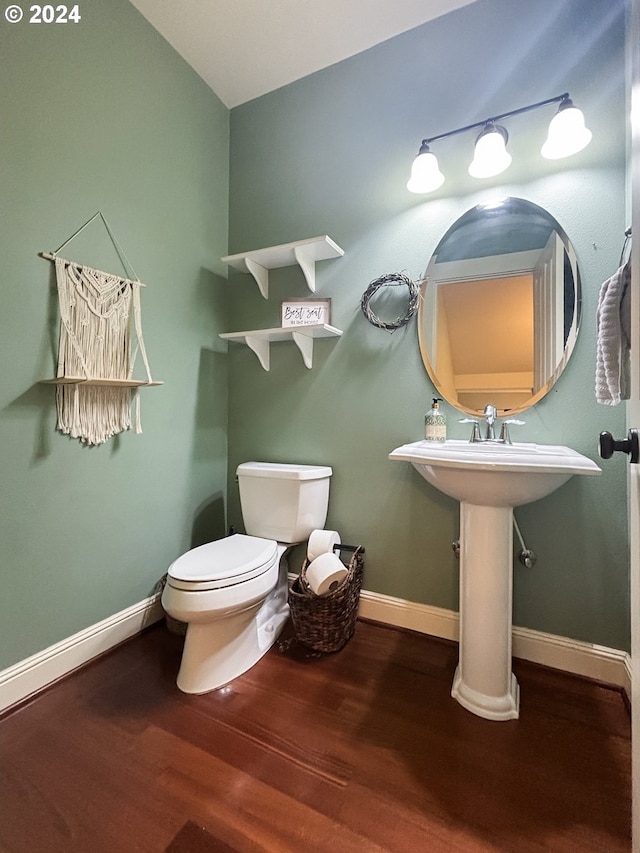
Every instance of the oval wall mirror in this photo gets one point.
(500, 308)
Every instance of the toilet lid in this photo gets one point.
(228, 561)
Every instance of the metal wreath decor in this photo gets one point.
(394, 279)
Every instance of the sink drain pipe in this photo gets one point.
(526, 556)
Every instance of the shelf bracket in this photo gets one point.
(259, 340)
(305, 345)
(304, 253)
(261, 348)
(307, 265)
(261, 275)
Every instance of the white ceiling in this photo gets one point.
(245, 48)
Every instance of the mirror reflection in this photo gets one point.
(500, 310)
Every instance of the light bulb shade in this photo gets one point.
(490, 156)
(567, 133)
(425, 173)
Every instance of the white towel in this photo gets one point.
(613, 342)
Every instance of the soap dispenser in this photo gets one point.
(435, 422)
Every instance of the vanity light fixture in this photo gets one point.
(490, 156)
(567, 135)
(567, 132)
(425, 173)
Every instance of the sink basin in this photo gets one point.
(489, 479)
(488, 474)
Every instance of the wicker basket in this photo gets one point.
(327, 622)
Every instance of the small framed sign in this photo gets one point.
(305, 312)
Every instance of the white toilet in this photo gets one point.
(232, 593)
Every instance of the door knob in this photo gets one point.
(609, 445)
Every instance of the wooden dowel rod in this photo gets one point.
(49, 256)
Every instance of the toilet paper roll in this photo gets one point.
(322, 542)
(326, 573)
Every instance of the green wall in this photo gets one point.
(331, 154)
(104, 115)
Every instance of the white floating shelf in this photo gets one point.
(259, 340)
(81, 380)
(305, 253)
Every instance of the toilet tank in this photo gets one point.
(281, 501)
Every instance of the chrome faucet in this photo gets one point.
(490, 413)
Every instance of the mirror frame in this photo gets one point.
(569, 344)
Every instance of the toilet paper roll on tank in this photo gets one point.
(325, 571)
(322, 542)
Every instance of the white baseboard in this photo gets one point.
(587, 659)
(408, 614)
(27, 677)
(31, 675)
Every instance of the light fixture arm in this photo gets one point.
(494, 119)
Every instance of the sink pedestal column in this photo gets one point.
(484, 683)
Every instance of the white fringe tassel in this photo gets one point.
(94, 414)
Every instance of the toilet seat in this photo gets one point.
(223, 563)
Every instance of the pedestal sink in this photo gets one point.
(489, 480)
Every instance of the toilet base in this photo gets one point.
(217, 652)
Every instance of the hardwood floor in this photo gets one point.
(363, 750)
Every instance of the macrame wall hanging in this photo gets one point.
(94, 379)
